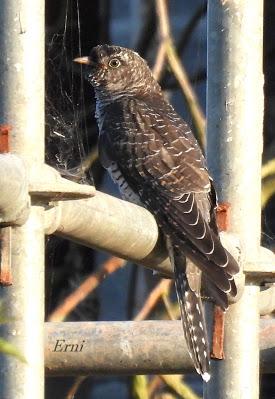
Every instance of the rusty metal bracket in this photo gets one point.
(5, 256)
(4, 138)
(5, 233)
(217, 352)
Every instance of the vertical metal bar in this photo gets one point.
(234, 134)
(22, 107)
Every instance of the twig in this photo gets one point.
(155, 383)
(166, 395)
(91, 282)
(89, 159)
(161, 53)
(140, 387)
(184, 37)
(268, 190)
(268, 169)
(179, 71)
(74, 388)
(160, 61)
(176, 384)
(153, 298)
(168, 306)
(78, 173)
(172, 84)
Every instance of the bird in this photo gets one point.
(153, 156)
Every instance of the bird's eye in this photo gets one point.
(114, 63)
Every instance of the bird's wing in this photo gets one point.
(176, 188)
(161, 161)
(162, 145)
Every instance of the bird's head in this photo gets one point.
(114, 70)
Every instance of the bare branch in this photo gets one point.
(91, 282)
(153, 298)
(177, 385)
(160, 61)
(75, 387)
(168, 306)
(179, 71)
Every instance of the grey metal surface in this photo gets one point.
(133, 348)
(14, 199)
(234, 148)
(267, 300)
(22, 107)
(131, 232)
(113, 225)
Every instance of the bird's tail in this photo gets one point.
(192, 316)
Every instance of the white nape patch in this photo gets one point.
(206, 377)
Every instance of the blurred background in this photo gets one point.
(73, 27)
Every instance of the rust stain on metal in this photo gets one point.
(5, 232)
(223, 216)
(218, 334)
(5, 256)
(5, 138)
(223, 222)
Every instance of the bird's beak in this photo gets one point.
(83, 60)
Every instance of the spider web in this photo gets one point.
(71, 137)
(67, 134)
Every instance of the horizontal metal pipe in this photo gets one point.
(130, 232)
(147, 347)
(113, 225)
(110, 224)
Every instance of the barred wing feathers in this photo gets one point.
(153, 149)
(157, 154)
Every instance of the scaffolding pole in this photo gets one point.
(22, 107)
(143, 347)
(234, 149)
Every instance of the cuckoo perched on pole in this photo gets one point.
(152, 155)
